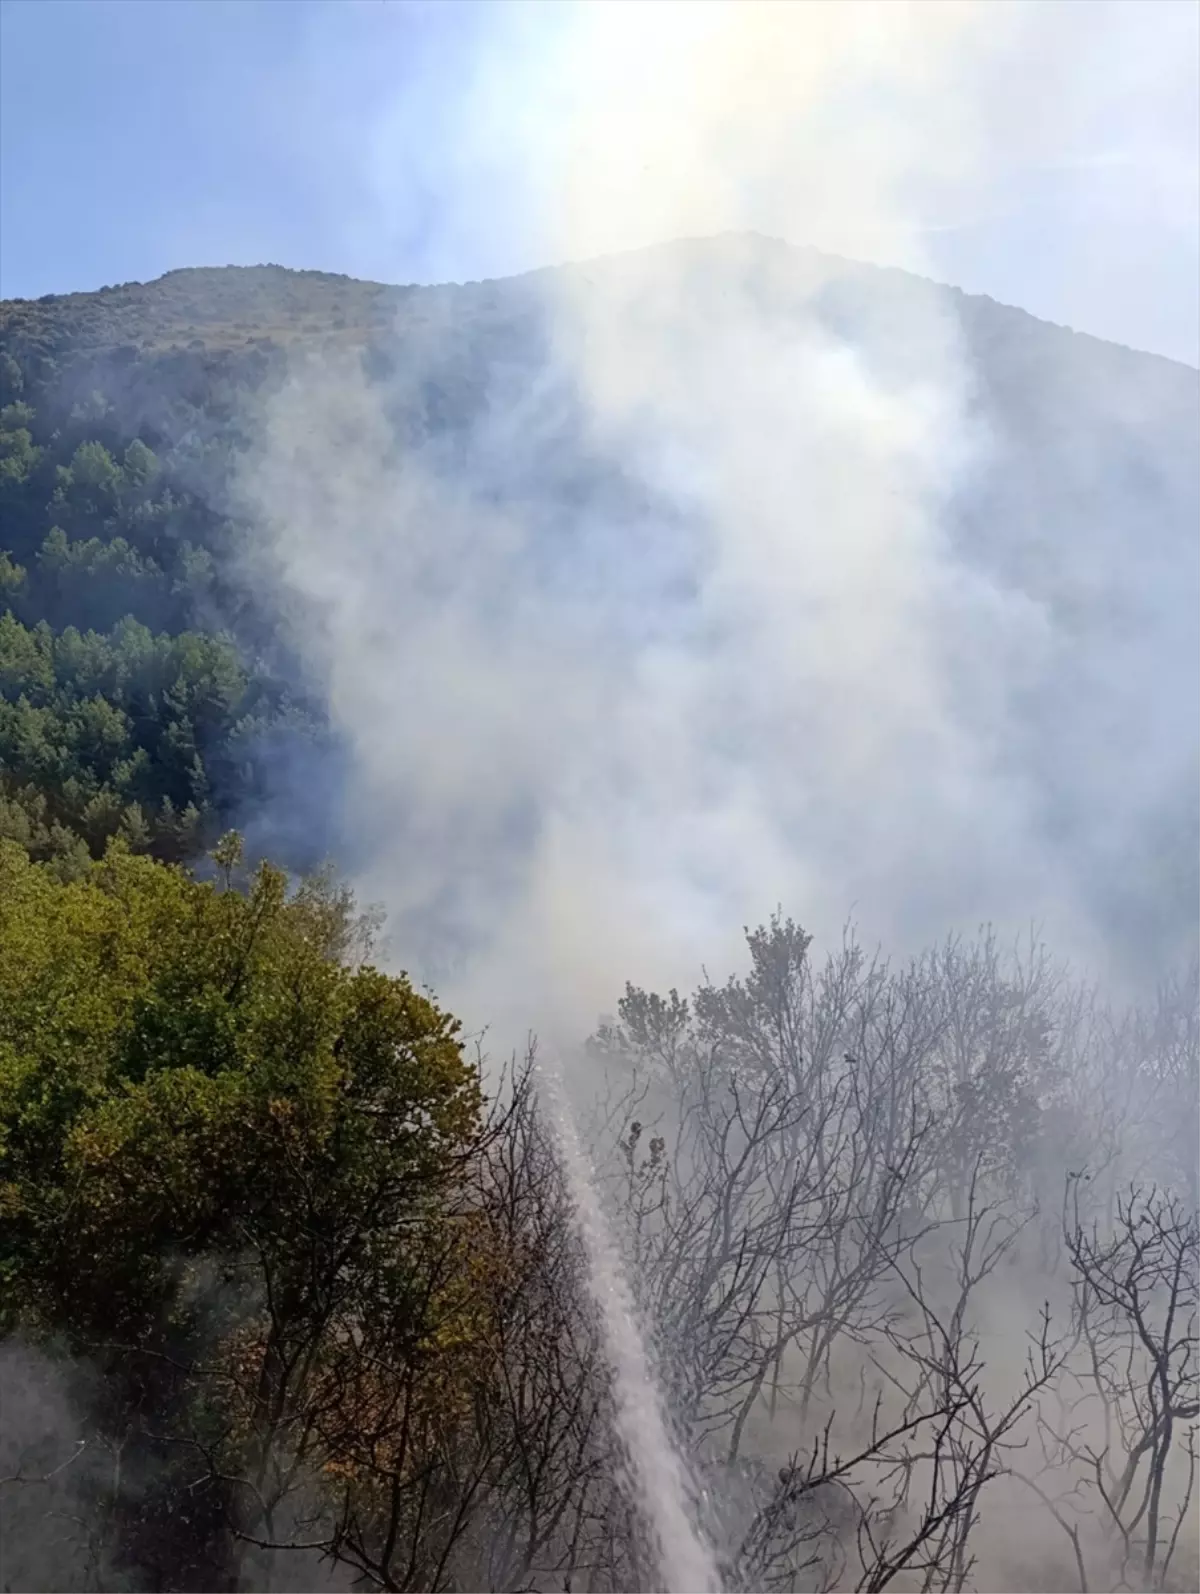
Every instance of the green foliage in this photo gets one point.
(185, 1070)
(121, 733)
(12, 380)
(18, 454)
(12, 579)
(223, 1148)
(217, 308)
(96, 538)
(127, 705)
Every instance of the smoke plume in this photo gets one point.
(680, 622)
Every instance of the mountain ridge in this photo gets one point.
(379, 294)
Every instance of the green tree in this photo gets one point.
(19, 455)
(220, 1145)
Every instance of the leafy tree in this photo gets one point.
(12, 381)
(195, 1088)
(96, 725)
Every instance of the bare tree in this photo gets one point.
(904, 1500)
(991, 1065)
(1126, 1425)
(762, 1218)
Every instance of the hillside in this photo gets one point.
(301, 1288)
(126, 411)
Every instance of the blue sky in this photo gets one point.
(139, 136)
(417, 142)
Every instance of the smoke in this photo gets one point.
(49, 1477)
(673, 622)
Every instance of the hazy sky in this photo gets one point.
(410, 142)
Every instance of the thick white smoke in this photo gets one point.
(766, 677)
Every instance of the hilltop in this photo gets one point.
(218, 306)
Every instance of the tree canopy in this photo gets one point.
(195, 1082)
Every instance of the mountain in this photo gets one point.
(592, 595)
(127, 411)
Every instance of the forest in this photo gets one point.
(296, 1285)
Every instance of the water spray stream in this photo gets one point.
(684, 1562)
